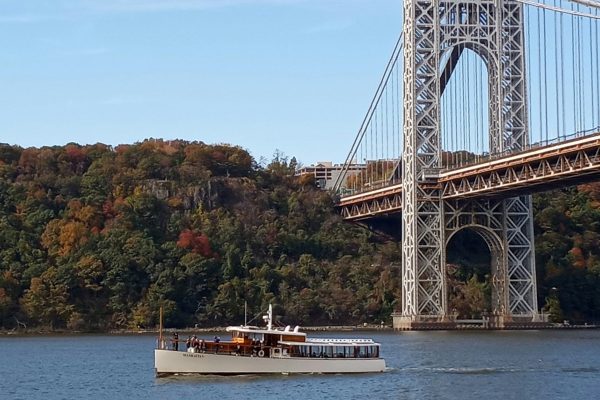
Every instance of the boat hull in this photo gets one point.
(168, 362)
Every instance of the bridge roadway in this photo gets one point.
(536, 169)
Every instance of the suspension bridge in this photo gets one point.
(482, 103)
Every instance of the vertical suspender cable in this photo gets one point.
(557, 61)
(529, 68)
(465, 110)
(395, 111)
(597, 72)
(478, 101)
(374, 160)
(593, 75)
(574, 83)
(580, 77)
(545, 98)
(386, 154)
(447, 96)
(369, 150)
(444, 121)
(383, 116)
(451, 117)
(455, 114)
(576, 76)
(539, 68)
(469, 119)
(484, 123)
(399, 111)
(562, 76)
(394, 90)
(384, 112)
(461, 134)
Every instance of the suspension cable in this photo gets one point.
(589, 3)
(372, 107)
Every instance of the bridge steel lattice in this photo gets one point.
(494, 30)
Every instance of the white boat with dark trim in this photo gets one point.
(269, 350)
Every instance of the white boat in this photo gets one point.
(254, 350)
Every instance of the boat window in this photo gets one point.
(362, 351)
(330, 351)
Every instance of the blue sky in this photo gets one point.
(293, 75)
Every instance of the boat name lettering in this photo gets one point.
(193, 355)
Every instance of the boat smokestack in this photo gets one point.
(270, 320)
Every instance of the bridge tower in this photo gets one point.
(435, 34)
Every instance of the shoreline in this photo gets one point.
(187, 330)
(220, 329)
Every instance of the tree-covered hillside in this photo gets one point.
(96, 238)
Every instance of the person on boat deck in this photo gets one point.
(217, 339)
(202, 345)
(175, 341)
(188, 342)
(238, 350)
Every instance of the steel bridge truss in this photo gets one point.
(535, 170)
(569, 162)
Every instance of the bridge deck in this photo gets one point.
(534, 170)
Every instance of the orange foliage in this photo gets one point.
(196, 242)
(108, 210)
(28, 159)
(74, 154)
(578, 258)
(63, 237)
(593, 191)
(175, 202)
(218, 156)
(72, 235)
(122, 148)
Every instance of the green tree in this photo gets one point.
(46, 300)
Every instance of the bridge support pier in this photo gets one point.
(494, 30)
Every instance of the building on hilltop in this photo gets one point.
(326, 173)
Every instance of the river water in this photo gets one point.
(421, 365)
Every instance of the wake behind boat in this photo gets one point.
(254, 350)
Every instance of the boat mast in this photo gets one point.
(160, 328)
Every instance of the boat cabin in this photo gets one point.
(334, 348)
(269, 337)
(293, 343)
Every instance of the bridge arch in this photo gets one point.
(484, 52)
(497, 253)
(468, 128)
